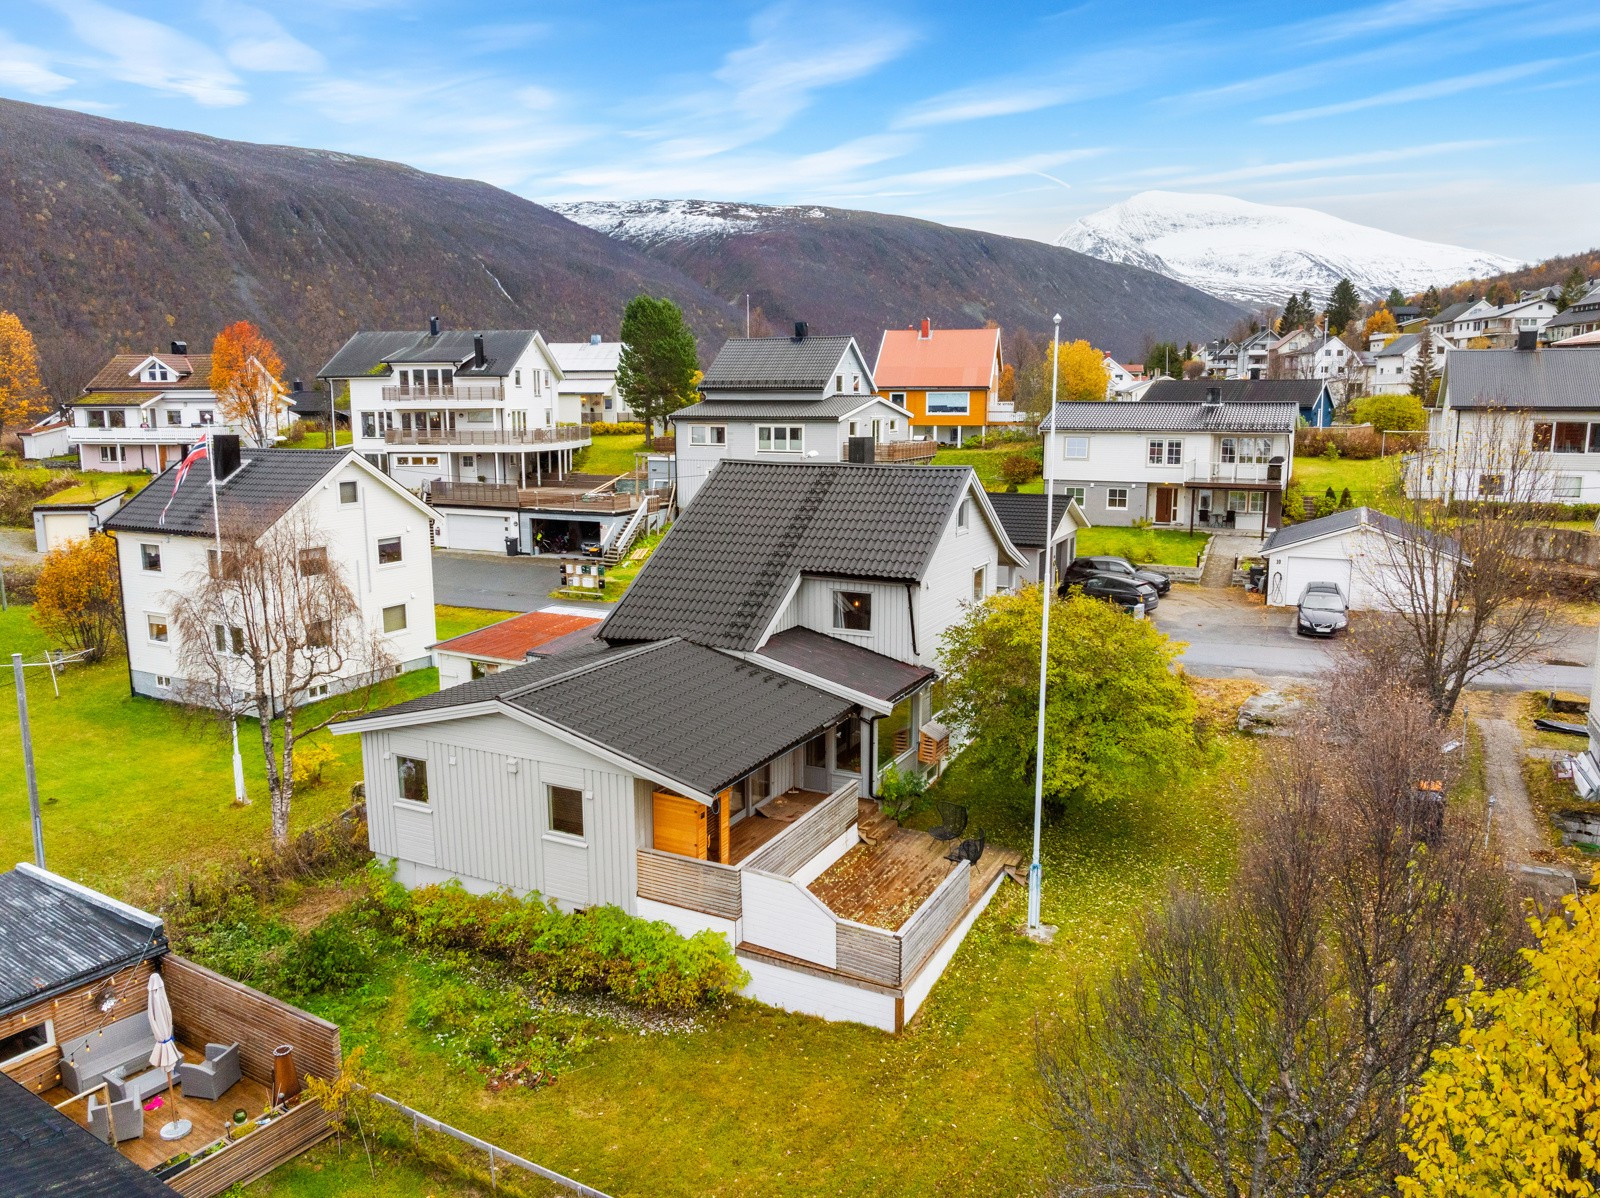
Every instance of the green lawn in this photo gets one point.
(987, 464)
(92, 486)
(1145, 546)
(453, 621)
(1371, 482)
(610, 453)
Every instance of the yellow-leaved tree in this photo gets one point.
(244, 373)
(1083, 372)
(22, 393)
(1381, 321)
(77, 598)
(1514, 1106)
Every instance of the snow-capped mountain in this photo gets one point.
(656, 222)
(1260, 253)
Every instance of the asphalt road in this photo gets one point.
(1231, 635)
(463, 579)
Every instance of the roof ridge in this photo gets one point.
(605, 658)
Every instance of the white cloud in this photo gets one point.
(153, 55)
(1304, 166)
(27, 68)
(1421, 91)
(257, 41)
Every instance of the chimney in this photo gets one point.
(1528, 339)
(433, 326)
(180, 348)
(799, 330)
(927, 330)
(594, 338)
(1214, 397)
(479, 358)
(225, 456)
(299, 385)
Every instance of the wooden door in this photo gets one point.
(1166, 504)
(680, 825)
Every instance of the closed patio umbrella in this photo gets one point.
(165, 1054)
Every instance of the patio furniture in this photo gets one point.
(212, 1077)
(968, 850)
(126, 1117)
(952, 821)
(138, 1086)
(122, 1044)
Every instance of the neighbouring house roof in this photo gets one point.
(1023, 516)
(371, 352)
(693, 715)
(833, 408)
(1148, 415)
(1581, 341)
(1585, 311)
(1302, 392)
(758, 363)
(1447, 315)
(313, 405)
(115, 399)
(47, 1155)
(1348, 521)
(514, 639)
(585, 355)
(843, 664)
(959, 358)
(193, 372)
(723, 571)
(56, 936)
(267, 484)
(1521, 380)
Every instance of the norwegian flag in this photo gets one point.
(195, 454)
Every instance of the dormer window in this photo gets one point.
(157, 372)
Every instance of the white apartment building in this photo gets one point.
(587, 391)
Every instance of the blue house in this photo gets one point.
(1311, 396)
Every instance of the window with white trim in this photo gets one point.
(412, 775)
(150, 558)
(164, 681)
(980, 584)
(780, 438)
(566, 809)
(1159, 452)
(389, 551)
(229, 640)
(1117, 499)
(1568, 487)
(156, 629)
(1075, 448)
(27, 1041)
(1247, 501)
(1073, 493)
(348, 492)
(852, 610)
(394, 618)
(708, 434)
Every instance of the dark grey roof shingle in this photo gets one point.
(1303, 392)
(269, 483)
(44, 1154)
(1446, 315)
(53, 938)
(833, 409)
(1345, 521)
(366, 352)
(1521, 380)
(721, 573)
(1023, 516)
(851, 666)
(1145, 416)
(756, 363)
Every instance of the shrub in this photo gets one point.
(902, 795)
(78, 595)
(310, 759)
(335, 956)
(497, 1029)
(609, 428)
(1330, 451)
(1018, 468)
(21, 583)
(1391, 413)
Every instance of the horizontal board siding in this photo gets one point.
(259, 1152)
(869, 953)
(703, 886)
(814, 831)
(74, 1015)
(566, 871)
(789, 919)
(932, 922)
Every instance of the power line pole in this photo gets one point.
(27, 759)
(1046, 584)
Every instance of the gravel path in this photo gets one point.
(1517, 826)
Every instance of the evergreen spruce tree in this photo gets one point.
(1430, 301)
(1344, 305)
(1572, 290)
(655, 373)
(1395, 299)
(1422, 372)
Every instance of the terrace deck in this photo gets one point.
(750, 833)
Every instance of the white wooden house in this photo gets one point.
(1361, 551)
(704, 760)
(587, 390)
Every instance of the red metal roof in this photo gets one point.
(511, 640)
(963, 358)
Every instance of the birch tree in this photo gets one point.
(22, 395)
(244, 373)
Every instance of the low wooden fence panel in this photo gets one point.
(705, 886)
(872, 954)
(933, 921)
(808, 835)
(256, 1154)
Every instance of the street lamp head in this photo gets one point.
(1058, 318)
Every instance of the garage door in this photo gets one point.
(1288, 576)
(62, 528)
(475, 530)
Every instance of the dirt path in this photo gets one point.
(1517, 826)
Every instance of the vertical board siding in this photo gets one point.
(872, 954)
(566, 868)
(74, 1015)
(703, 886)
(932, 922)
(808, 835)
(812, 607)
(788, 919)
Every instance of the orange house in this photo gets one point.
(949, 379)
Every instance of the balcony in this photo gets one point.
(1230, 473)
(465, 393)
(896, 451)
(597, 501)
(566, 436)
(158, 434)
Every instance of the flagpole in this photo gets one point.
(1047, 582)
(239, 795)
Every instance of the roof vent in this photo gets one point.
(799, 330)
(479, 358)
(1213, 397)
(927, 329)
(225, 460)
(433, 326)
(180, 347)
(299, 385)
(594, 338)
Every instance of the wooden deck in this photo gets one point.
(894, 870)
(766, 821)
(208, 1118)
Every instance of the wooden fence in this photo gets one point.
(256, 1154)
(872, 954)
(931, 923)
(808, 835)
(705, 886)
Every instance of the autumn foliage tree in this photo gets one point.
(77, 598)
(22, 394)
(1382, 321)
(1084, 374)
(245, 368)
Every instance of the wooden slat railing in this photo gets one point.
(869, 953)
(563, 435)
(802, 840)
(705, 886)
(930, 923)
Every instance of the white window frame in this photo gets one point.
(378, 545)
(28, 1054)
(1077, 493)
(701, 434)
(145, 550)
(841, 605)
(399, 787)
(151, 619)
(980, 584)
(766, 442)
(354, 492)
(579, 837)
(1567, 488)
(1116, 499)
(1069, 444)
(405, 619)
(948, 407)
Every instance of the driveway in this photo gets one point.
(490, 580)
(1233, 635)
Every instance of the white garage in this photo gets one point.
(1361, 551)
(477, 530)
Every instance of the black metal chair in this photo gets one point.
(969, 850)
(952, 821)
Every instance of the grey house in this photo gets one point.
(705, 761)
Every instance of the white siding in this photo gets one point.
(827, 998)
(785, 917)
(812, 607)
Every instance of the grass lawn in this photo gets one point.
(1371, 482)
(987, 463)
(453, 621)
(779, 1104)
(1144, 546)
(92, 486)
(305, 439)
(621, 575)
(131, 787)
(610, 453)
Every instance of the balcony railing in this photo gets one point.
(896, 451)
(454, 393)
(568, 434)
(160, 434)
(510, 497)
(1234, 472)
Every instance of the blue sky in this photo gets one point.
(1459, 120)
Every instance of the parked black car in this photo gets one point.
(1127, 593)
(1082, 567)
(1322, 610)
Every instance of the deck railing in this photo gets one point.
(566, 434)
(454, 392)
(932, 922)
(807, 836)
(562, 499)
(896, 451)
(705, 886)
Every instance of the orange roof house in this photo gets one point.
(949, 379)
(510, 643)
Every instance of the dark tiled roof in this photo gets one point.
(846, 665)
(834, 408)
(44, 1154)
(492, 686)
(1399, 346)
(1522, 379)
(1144, 416)
(1446, 315)
(1346, 521)
(721, 573)
(193, 372)
(268, 484)
(756, 363)
(367, 353)
(1303, 392)
(1023, 516)
(54, 937)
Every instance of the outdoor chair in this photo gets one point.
(211, 1077)
(127, 1116)
(968, 850)
(952, 821)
